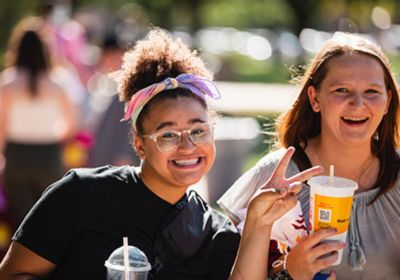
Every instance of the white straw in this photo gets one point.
(331, 174)
(126, 258)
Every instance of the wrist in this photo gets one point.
(252, 232)
(257, 224)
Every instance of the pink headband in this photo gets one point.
(198, 85)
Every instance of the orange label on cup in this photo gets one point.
(332, 212)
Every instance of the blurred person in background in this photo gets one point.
(72, 61)
(111, 138)
(36, 117)
(65, 46)
(347, 115)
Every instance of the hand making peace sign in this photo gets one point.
(278, 195)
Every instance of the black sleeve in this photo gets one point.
(50, 225)
(223, 255)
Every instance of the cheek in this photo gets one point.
(153, 154)
(330, 107)
(379, 105)
(210, 150)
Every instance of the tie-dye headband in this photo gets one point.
(198, 85)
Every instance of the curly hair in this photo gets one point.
(153, 59)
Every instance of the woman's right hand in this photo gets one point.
(278, 195)
(310, 256)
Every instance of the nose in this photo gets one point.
(357, 100)
(186, 142)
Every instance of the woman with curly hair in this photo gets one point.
(81, 219)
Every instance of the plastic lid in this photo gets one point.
(340, 187)
(137, 260)
(338, 182)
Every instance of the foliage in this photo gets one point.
(272, 70)
(242, 14)
(10, 13)
(192, 15)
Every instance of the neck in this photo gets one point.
(160, 187)
(356, 163)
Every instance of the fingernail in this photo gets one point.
(333, 272)
(333, 230)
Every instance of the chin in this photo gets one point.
(357, 140)
(187, 182)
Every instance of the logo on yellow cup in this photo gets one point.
(332, 212)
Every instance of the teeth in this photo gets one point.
(354, 119)
(186, 162)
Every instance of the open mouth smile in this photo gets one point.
(187, 163)
(352, 120)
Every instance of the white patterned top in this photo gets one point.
(375, 229)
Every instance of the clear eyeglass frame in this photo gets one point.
(170, 140)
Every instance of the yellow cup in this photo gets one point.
(330, 206)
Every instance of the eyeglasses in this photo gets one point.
(168, 141)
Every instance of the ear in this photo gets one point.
(390, 94)
(313, 98)
(139, 146)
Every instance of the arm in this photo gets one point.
(45, 235)
(20, 263)
(255, 239)
(273, 200)
(4, 103)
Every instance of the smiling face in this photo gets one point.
(176, 170)
(352, 99)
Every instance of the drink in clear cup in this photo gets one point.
(138, 265)
(330, 206)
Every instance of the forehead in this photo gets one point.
(356, 67)
(175, 112)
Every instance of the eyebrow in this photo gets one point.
(337, 83)
(377, 85)
(168, 124)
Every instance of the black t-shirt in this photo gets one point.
(81, 219)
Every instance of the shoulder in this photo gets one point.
(9, 89)
(263, 169)
(83, 178)
(272, 157)
(52, 88)
(104, 174)
(271, 160)
(53, 84)
(106, 171)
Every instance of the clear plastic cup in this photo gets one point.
(138, 268)
(330, 206)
